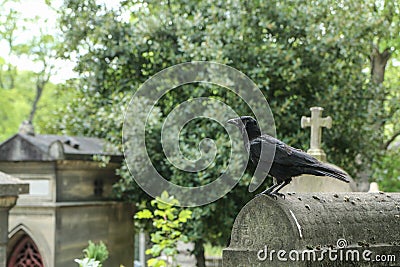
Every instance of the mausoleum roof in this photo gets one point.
(26, 147)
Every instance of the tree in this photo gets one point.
(300, 54)
(386, 36)
(16, 105)
(385, 42)
(40, 50)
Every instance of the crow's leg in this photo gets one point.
(269, 189)
(283, 184)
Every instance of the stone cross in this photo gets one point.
(316, 122)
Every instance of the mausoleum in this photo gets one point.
(69, 202)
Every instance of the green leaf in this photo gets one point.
(156, 237)
(144, 214)
(170, 251)
(160, 213)
(156, 263)
(184, 215)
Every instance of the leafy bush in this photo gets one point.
(167, 222)
(95, 255)
(388, 172)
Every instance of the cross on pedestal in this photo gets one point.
(316, 122)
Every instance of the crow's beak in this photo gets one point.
(235, 121)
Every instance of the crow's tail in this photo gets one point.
(322, 169)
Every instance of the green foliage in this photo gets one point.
(22, 90)
(388, 174)
(98, 252)
(212, 251)
(388, 167)
(14, 106)
(9, 19)
(299, 53)
(95, 255)
(167, 221)
(16, 103)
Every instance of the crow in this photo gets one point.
(288, 162)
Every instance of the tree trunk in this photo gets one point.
(8, 76)
(41, 81)
(378, 64)
(199, 253)
(39, 91)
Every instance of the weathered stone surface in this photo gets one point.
(11, 186)
(70, 199)
(313, 223)
(316, 122)
(310, 183)
(62, 230)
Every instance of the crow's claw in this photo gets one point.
(279, 194)
(276, 195)
(272, 194)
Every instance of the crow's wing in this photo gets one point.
(284, 155)
(291, 161)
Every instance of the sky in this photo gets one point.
(47, 22)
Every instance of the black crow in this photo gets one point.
(288, 162)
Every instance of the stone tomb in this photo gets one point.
(69, 202)
(317, 229)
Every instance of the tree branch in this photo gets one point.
(388, 142)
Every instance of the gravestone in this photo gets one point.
(10, 188)
(317, 229)
(311, 183)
